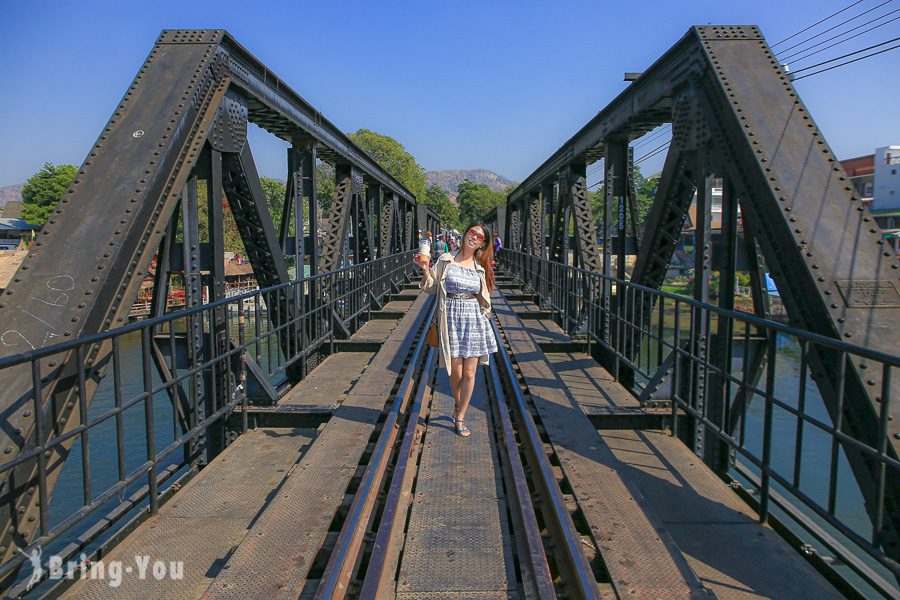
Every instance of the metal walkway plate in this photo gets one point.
(715, 529)
(203, 522)
(458, 541)
(329, 383)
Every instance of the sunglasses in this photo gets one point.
(477, 236)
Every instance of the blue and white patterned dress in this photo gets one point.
(469, 330)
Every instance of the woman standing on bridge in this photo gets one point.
(463, 284)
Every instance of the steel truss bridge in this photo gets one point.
(294, 441)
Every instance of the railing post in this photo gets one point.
(149, 429)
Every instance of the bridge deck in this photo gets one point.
(279, 553)
(649, 501)
(260, 520)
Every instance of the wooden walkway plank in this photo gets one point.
(734, 556)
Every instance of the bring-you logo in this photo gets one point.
(113, 572)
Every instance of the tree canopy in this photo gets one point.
(393, 158)
(475, 201)
(43, 191)
(438, 200)
(645, 190)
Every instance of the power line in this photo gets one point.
(847, 63)
(645, 157)
(821, 33)
(653, 152)
(818, 23)
(662, 130)
(830, 60)
(790, 57)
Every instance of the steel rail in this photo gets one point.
(343, 559)
(536, 571)
(572, 562)
(376, 571)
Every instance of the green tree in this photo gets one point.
(475, 201)
(438, 200)
(43, 191)
(393, 158)
(645, 190)
(324, 186)
(274, 191)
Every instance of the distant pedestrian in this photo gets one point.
(498, 243)
(441, 246)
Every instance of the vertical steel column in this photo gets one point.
(716, 452)
(410, 227)
(219, 373)
(535, 224)
(193, 297)
(386, 222)
(700, 328)
(308, 167)
(334, 254)
(616, 186)
(373, 199)
(615, 164)
(377, 224)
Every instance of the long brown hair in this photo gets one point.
(485, 254)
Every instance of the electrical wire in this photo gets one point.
(830, 60)
(817, 23)
(643, 142)
(846, 63)
(653, 152)
(821, 33)
(791, 57)
(661, 131)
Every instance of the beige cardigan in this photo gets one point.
(434, 282)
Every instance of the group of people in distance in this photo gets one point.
(448, 240)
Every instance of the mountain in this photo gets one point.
(451, 178)
(9, 193)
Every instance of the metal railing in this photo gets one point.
(744, 387)
(152, 414)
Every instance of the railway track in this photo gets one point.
(544, 553)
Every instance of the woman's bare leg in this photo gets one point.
(467, 384)
(456, 373)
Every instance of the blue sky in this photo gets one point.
(492, 84)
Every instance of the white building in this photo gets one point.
(886, 192)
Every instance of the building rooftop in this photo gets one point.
(861, 165)
(17, 224)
